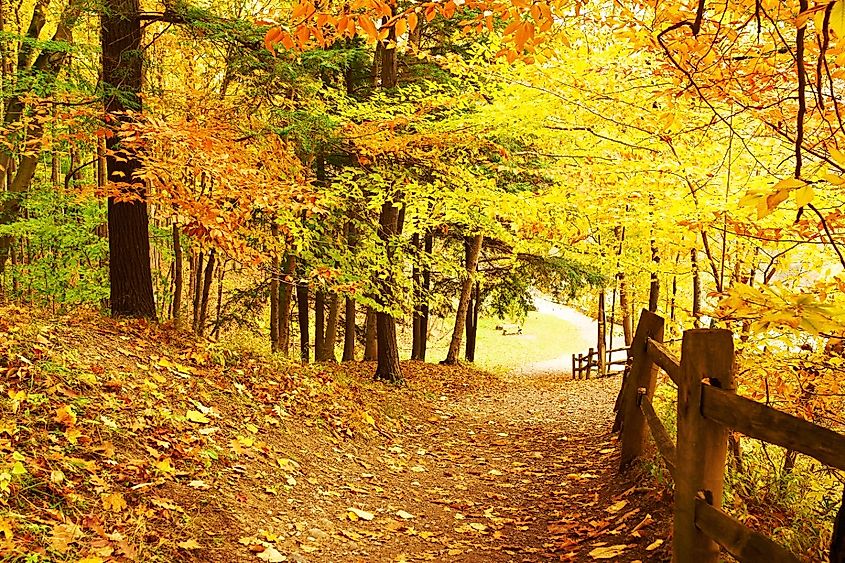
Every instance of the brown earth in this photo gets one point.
(139, 444)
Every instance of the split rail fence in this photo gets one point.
(583, 364)
(708, 408)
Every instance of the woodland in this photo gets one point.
(306, 191)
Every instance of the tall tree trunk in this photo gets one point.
(285, 298)
(428, 246)
(330, 338)
(101, 162)
(319, 325)
(130, 275)
(274, 293)
(302, 308)
(463, 304)
(625, 307)
(177, 275)
(388, 367)
(196, 282)
(349, 331)
(208, 277)
(55, 168)
(370, 340)
(218, 317)
(602, 335)
(416, 244)
(696, 289)
(654, 285)
(349, 309)
(472, 322)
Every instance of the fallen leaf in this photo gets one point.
(654, 545)
(617, 506)
(197, 416)
(63, 535)
(609, 552)
(272, 555)
(360, 514)
(404, 515)
(189, 544)
(65, 416)
(114, 502)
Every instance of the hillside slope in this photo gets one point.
(122, 441)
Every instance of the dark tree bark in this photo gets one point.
(654, 286)
(428, 247)
(130, 275)
(196, 286)
(177, 275)
(349, 331)
(370, 340)
(218, 319)
(696, 289)
(472, 322)
(602, 335)
(208, 277)
(285, 298)
(274, 294)
(302, 308)
(319, 325)
(349, 309)
(463, 304)
(330, 338)
(416, 244)
(388, 367)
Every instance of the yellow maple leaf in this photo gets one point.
(114, 502)
(65, 416)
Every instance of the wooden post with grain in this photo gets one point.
(643, 374)
(702, 443)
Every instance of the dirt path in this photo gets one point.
(525, 471)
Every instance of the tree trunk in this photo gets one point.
(177, 275)
(274, 293)
(302, 308)
(349, 309)
(349, 331)
(285, 298)
(208, 277)
(654, 285)
(130, 275)
(696, 289)
(330, 338)
(218, 318)
(472, 322)
(417, 293)
(463, 304)
(196, 282)
(388, 367)
(428, 244)
(370, 340)
(319, 325)
(101, 162)
(602, 335)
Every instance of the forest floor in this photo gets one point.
(121, 441)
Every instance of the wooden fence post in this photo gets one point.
(589, 363)
(702, 444)
(574, 372)
(643, 374)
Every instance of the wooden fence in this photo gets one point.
(708, 407)
(583, 364)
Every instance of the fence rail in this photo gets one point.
(708, 407)
(583, 364)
